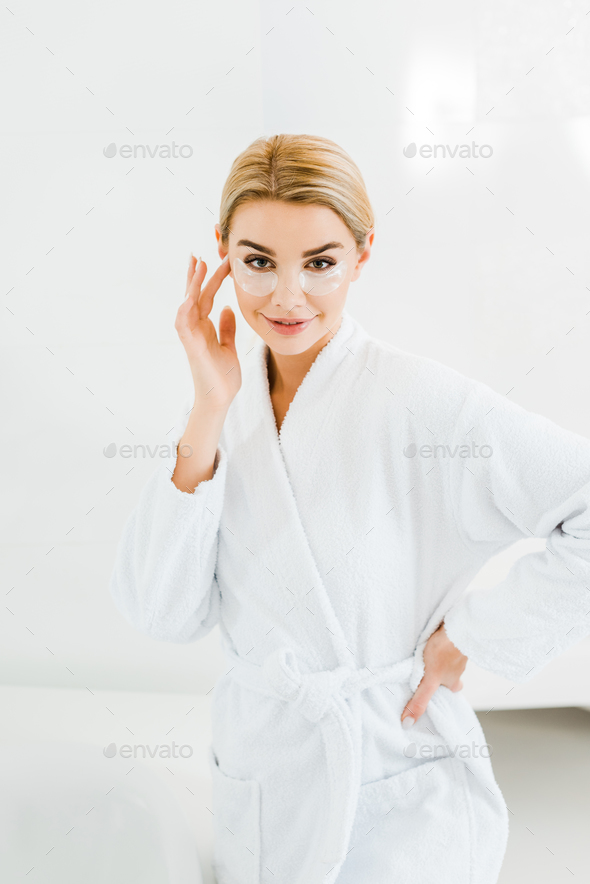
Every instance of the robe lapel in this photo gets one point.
(264, 456)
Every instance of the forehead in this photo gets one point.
(288, 227)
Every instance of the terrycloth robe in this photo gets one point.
(328, 553)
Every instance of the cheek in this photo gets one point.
(250, 303)
(331, 303)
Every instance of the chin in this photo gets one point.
(290, 347)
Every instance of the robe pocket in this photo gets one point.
(424, 812)
(236, 824)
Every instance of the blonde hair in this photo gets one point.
(298, 169)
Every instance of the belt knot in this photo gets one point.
(313, 693)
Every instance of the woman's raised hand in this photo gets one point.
(214, 363)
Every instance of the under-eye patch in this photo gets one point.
(263, 282)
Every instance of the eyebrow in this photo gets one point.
(259, 248)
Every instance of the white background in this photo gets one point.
(482, 264)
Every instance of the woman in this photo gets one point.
(333, 497)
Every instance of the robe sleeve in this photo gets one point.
(533, 481)
(163, 581)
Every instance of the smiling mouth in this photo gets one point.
(288, 321)
(289, 327)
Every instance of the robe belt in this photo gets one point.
(321, 697)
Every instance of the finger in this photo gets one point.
(194, 289)
(193, 264)
(457, 687)
(417, 705)
(227, 329)
(208, 293)
(188, 306)
(181, 323)
(189, 272)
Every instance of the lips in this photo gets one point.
(289, 326)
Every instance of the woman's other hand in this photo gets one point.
(443, 664)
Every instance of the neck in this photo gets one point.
(285, 372)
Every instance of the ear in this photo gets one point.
(363, 257)
(221, 251)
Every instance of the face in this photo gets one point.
(301, 245)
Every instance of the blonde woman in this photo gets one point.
(331, 498)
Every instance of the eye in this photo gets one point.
(327, 261)
(253, 261)
(250, 260)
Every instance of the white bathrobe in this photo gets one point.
(328, 553)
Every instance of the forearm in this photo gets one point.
(195, 461)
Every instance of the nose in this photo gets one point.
(288, 293)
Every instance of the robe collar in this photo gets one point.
(320, 375)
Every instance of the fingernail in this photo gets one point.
(407, 722)
(190, 258)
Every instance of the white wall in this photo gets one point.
(480, 263)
